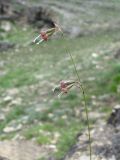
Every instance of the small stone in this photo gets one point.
(24, 119)
(7, 99)
(53, 147)
(64, 117)
(117, 106)
(84, 157)
(9, 129)
(13, 91)
(94, 55)
(56, 138)
(18, 137)
(2, 117)
(6, 26)
(17, 101)
(50, 115)
(91, 78)
(2, 73)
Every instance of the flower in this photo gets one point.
(65, 86)
(44, 35)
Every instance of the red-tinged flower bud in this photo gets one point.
(63, 84)
(63, 87)
(44, 36)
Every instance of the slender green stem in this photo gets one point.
(84, 97)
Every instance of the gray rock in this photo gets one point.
(6, 45)
(114, 119)
(3, 158)
(12, 128)
(35, 15)
(2, 117)
(117, 54)
(39, 16)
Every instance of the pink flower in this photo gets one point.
(63, 87)
(44, 35)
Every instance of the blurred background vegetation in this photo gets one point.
(28, 108)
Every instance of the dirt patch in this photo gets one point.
(23, 150)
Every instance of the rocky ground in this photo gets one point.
(104, 136)
(105, 141)
(77, 18)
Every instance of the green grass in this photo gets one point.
(17, 78)
(14, 114)
(112, 83)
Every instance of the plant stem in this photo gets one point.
(84, 97)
